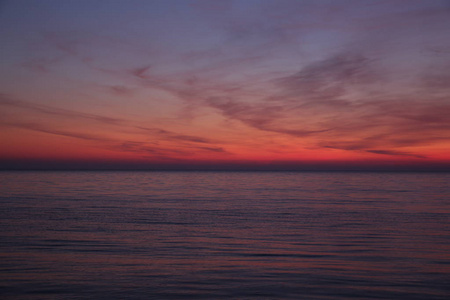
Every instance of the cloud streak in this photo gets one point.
(47, 129)
(189, 141)
(175, 136)
(338, 102)
(7, 101)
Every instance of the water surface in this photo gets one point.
(224, 235)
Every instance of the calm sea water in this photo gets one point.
(208, 235)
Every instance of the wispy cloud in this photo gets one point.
(121, 90)
(39, 108)
(328, 79)
(340, 103)
(50, 130)
(393, 152)
(42, 65)
(213, 149)
(8, 101)
(174, 136)
(145, 149)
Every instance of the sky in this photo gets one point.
(203, 84)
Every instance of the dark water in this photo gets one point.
(138, 235)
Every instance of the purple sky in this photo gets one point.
(176, 82)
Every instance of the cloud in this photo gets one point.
(142, 148)
(146, 149)
(169, 135)
(161, 133)
(141, 72)
(45, 129)
(67, 43)
(120, 90)
(393, 152)
(42, 65)
(262, 117)
(344, 102)
(7, 101)
(320, 87)
(343, 68)
(372, 143)
(329, 81)
(163, 151)
(213, 149)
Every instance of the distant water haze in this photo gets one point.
(224, 235)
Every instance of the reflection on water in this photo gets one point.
(206, 235)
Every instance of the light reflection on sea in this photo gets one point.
(211, 235)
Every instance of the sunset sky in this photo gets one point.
(225, 84)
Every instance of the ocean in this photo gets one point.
(224, 235)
